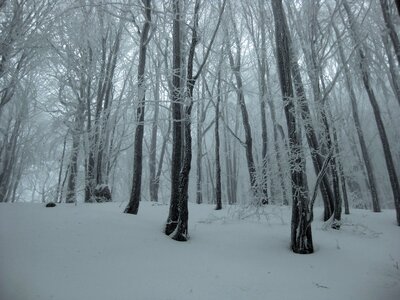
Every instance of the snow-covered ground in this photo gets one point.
(90, 252)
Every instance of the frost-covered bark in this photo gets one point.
(301, 236)
(176, 105)
(363, 145)
(390, 28)
(153, 185)
(377, 114)
(235, 64)
(133, 205)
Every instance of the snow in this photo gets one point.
(94, 251)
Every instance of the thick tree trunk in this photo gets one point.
(133, 205)
(317, 147)
(176, 100)
(312, 140)
(301, 237)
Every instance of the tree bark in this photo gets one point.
(176, 105)
(301, 236)
(133, 205)
(390, 28)
(360, 134)
(153, 143)
(217, 143)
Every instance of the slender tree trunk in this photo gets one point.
(133, 205)
(390, 28)
(245, 119)
(285, 199)
(378, 118)
(342, 178)
(199, 139)
(71, 196)
(263, 100)
(360, 134)
(217, 143)
(56, 197)
(395, 78)
(153, 143)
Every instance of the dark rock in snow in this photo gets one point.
(50, 204)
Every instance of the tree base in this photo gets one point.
(303, 251)
(170, 227)
(130, 210)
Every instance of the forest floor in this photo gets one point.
(95, 251)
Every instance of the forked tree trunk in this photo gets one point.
(301, 236)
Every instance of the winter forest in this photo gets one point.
(257, 126)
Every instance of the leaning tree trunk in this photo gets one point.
(301, 236)
(390, 28)
(395, 78)
(363, 145)
(133, 205)
(378, 118)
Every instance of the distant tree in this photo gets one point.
(365, 73)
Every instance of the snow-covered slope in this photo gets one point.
(89, 252)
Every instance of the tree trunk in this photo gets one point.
(248, 144)
(56, 197)
(375, 107)
(217, 143)
(390, 28)
(395, 79)
(176, 104)
(301, 236)
(133, 205)
(360, 134)
(71, 196)
(153, 143)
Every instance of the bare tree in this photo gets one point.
(377, 114)
(133, 204)
(301, 236)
